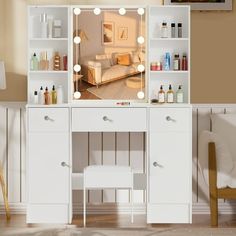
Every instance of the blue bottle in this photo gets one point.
(167, 61)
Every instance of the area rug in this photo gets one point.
(116, 90)
(119, 232)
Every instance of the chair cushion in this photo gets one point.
(223, 158)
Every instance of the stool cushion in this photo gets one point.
(108, 176)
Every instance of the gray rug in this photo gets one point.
(116, 90)
(118, 232)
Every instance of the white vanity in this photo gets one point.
(166, 127)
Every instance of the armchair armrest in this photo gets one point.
(95, 72)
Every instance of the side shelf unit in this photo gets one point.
(47, 47)
(158, 47)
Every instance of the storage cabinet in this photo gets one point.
(169, 184)
(48, 171)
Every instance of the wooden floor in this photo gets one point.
(123, 221)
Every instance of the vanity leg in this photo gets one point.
(84, 207)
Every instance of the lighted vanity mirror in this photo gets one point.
(109, 53)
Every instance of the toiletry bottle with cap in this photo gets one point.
(47, 97)
(59, 95)
(164, 30)
(36, 98)
(57, 61)
(180, 95)
(184, 62)
(176, 62)
(57, 30)
(41, 96)
(170, 95)
(180, 30)
(161, 95)
(34, 62)
(172, 30)
(54, 95)
(44, 25)
(167, 61)
(44, 62)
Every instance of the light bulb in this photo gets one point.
(140, 39)
(77, 11)
(140, 11)
(122, 11)
(141, 68)
(77, 68)
(140, 94)
(77, 39)
(97, 11)
(77, 95)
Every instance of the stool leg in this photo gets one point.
(132, 213)
(84, 214)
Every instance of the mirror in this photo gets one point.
(109, 53)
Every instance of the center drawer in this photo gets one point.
(108, 119)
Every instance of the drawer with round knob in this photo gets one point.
(170, 119)
(48, 119)
(109, 119)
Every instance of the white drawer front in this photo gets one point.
(48, 119)
(109, 119)
(170, 119)
(168, 213)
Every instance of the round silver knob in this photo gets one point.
(46, 118)
(63, 164)
(155, 164)
(105, 118)
(168, 118)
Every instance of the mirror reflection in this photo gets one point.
(109, 53)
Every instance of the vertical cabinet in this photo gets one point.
(48, 165)
(169, 185)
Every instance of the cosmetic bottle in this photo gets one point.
(164, 30)
(41, 96)
(54, 95)
(176, 62)
(64, 62)
(43, 63)
(47, 97)
(44, 25)
(170, 95)
(180, 30)
(161, 95)
(34, 62)
(172, 30)
(180, 95)
(36, 98)
(167, 61)
(184, 62)
(60, 96)
(57, 61)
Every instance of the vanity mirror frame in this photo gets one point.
(143, 46)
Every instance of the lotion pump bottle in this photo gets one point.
(180, 95)
(54, 95)
(41, 96)
(47, 98)
(170, 95)
(161, 95)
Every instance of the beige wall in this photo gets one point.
(213, 50)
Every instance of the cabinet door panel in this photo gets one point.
(169, 177)
(48, 181)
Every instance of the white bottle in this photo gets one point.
(36, 97)
(44, 25)
(41, 96)
(180, 95)
(60, 96)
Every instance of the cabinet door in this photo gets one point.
(170, 168)
(48, 180)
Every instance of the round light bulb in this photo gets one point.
(77, 68)
(140, 95)
(77, 11)
(77, 39)
(122, 11)
(141, 68)
(140, 39)
(77, 95)
(97, 11)
(140, 11)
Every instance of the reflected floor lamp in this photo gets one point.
(2, 181)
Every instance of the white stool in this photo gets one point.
(102, 177)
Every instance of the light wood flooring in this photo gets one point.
(123, 221)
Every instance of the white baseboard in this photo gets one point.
(123, 208)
